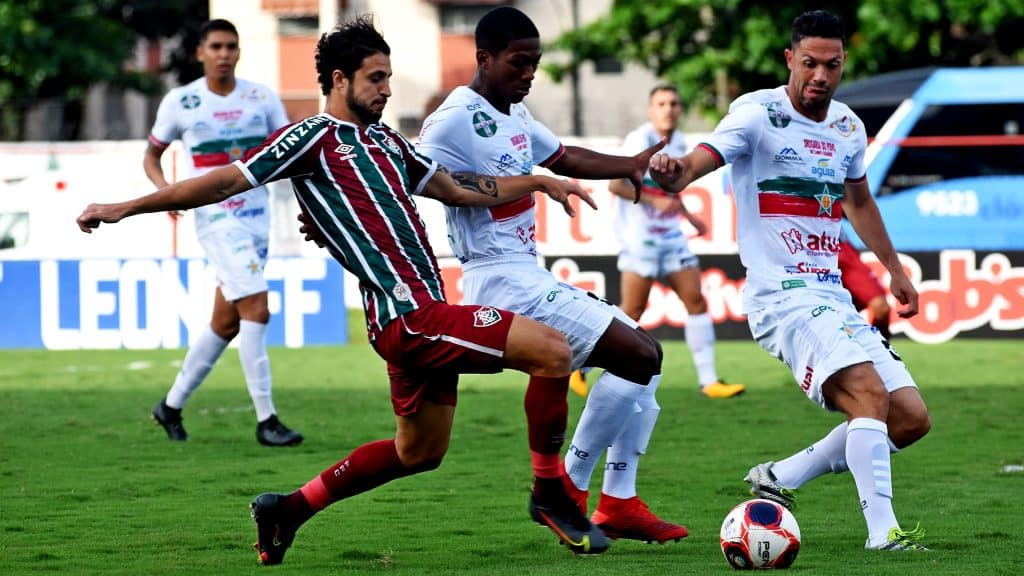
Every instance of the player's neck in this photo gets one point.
(340, 110)
(478, 86)
(221, 86)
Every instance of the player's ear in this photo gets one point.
(338, 79)
(789, 58)
(483, 58)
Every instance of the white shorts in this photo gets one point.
(238, 257)
(518, 284)
(658, 258)
(817, 335)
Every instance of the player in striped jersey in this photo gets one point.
(797, 165)
(355, 179)
(219, 118)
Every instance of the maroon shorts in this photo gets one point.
(426, 350)
(857, 277)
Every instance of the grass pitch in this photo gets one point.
(88, 485)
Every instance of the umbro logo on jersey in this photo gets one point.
(485, 317)
(345, 152)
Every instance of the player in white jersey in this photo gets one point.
(798, 163)
(485, 128)
(654, 247)
(219, 118)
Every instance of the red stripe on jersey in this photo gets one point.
(512, 208)
(788, 205)
(211, 160)
(158, 143)
(858, 180)
(554, 157)
(714, 153)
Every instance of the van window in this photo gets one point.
(943, 145)
(13, 229)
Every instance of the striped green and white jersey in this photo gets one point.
(357, 185)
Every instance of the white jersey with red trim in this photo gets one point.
(789, 174)
(638, 224)
(215, 131)
(467, 134)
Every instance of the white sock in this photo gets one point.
(624, 454)
(867, 453)
(199, 360)
(611, 402)
(825, 455)
(700, 337)
(252, 351)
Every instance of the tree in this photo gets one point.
(714, 50)
(61, 48)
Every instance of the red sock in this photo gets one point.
(547, 413)
(367, 467)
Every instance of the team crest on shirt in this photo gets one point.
(485, 317)
(777, 117)
(390, 144)
(402, 292)
(190, 101)
(825, 202)
(484, 125)
(845, 126)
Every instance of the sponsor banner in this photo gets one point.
(962, 293)
(157, 303)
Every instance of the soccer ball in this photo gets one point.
(760, 534)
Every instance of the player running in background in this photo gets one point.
(355, 179)
(654, 247)
(865, 289)
(485, 128)
(798, 164)
(219, 118)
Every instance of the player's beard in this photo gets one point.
(362, 111)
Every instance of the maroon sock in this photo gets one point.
(547, 413)
(365, 468)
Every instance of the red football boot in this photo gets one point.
(578, 496)
(631, 519)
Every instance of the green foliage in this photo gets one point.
(691, 42)
(88, 485)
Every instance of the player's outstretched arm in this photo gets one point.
(584, 163)
(466, 189)
(862, 211)
(209, 188)
(675, 174)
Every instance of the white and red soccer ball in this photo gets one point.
(760, 534)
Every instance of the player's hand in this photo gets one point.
(561, 190)
(309, 231)
(903, 290)
(95, 214)
(667, 172)
(640, 164)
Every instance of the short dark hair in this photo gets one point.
(816, 24)
(218, 24)
(503, 25)
(345, 48)
(662, 88)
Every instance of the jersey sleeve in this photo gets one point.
(166, 128)
(444, 139)
(287, 153)
(547, 149)
(736, 135)
(418, 167)
(857, 171)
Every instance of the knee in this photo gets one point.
(225, 329)
(421, 458)
(557, 356)
(648, 356)
(913, 429)
(695, 303)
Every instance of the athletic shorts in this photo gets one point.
(517, 283)
(238, 257)
(858, 278)
(427, 349)
(817, 335)
(657, 259)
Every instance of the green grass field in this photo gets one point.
(88, 485)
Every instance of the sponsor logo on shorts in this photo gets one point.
(808, 380)
(254, 267)
(846, 330)
(485, 317)
(402, 292)
(790, 284)
(821, 310)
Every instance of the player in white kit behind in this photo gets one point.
(485, 128)
(219, 118)
(798, 164)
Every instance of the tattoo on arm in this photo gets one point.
(477, 183)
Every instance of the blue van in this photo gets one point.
(947, 168)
